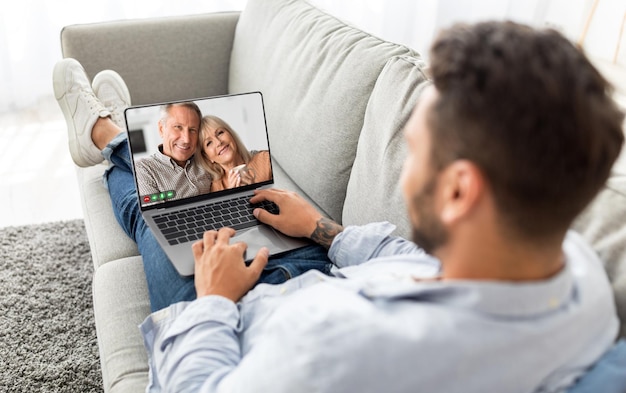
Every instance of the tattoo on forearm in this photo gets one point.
(325, 232)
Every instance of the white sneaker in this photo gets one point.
(111, 90)
(81, 109)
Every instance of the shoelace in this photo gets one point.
(95, 106)
(116, 115)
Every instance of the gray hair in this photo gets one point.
(165, 110)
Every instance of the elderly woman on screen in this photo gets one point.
(230, 164)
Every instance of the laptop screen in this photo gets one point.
(187, 150)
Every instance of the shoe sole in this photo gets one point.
(59, 83)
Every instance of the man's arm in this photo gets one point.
(325, 232)
(297, 218)
(146, 183)
(356, 245)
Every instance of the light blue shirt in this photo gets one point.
(374, 328)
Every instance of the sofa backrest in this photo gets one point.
(316, 74)
(382, 149)
(160, 59)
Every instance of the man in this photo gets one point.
(172, 166)
(94, 115)
(513, 139)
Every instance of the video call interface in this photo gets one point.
(243, 113)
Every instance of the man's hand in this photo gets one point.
(220, 268)
(297, 218)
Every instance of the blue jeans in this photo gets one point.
(165, 285)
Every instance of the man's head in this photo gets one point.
(179, 126)
(514, 112)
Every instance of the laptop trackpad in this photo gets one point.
(261, 236)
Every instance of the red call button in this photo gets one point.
(146, 199)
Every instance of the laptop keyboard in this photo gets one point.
(190, 224)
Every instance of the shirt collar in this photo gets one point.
(167, 160)
(500, 298)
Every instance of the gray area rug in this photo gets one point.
(47, 332)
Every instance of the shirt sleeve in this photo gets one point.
(199, 350)
(146, 183)
(196, 348)
(358, 244)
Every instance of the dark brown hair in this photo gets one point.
(530, 110)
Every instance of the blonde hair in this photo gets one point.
(215, 170)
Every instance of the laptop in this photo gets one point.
(179, 217)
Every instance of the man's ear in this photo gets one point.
(160, 126)
(462, 186)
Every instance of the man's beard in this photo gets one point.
(430, 234)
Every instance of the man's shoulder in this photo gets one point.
(594, 295)
(155, 161)
(147, 164)
(581, 255)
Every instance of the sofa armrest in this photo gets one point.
(107, 240)
(160, 59)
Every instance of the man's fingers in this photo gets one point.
(267, 194)
(259, 262)
(198, 249)
(259, 196)
(208, 238)
(241, 246)
(224, 235)
(264, 216)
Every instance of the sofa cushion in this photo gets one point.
(374, 193)
(107, 239)
(603, 224)
(316, 75)
(284, 182)
(120, 301)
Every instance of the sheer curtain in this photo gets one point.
(29, 37)
(599, 25)
(415, 22)
(29, 32)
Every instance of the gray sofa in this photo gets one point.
(336, 100)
